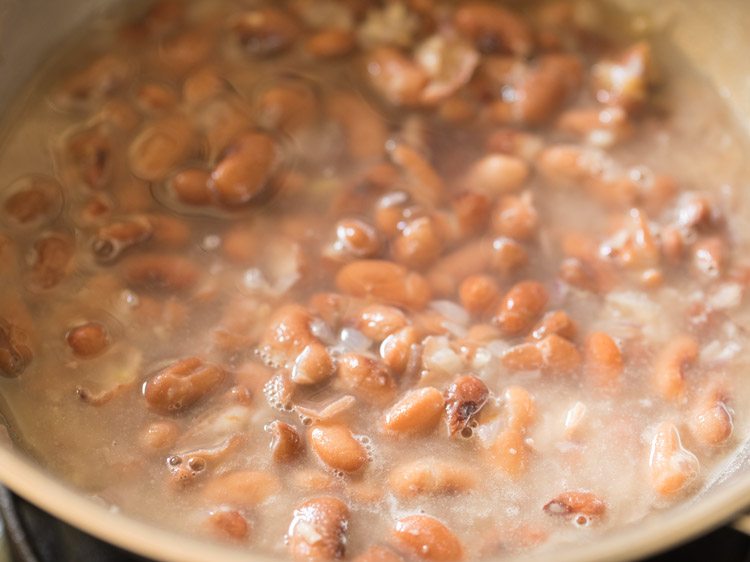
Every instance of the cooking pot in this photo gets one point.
(713, 35)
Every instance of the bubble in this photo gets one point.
(467, 432)
(306, 420)
(581, 520)
(174, 460)
(364, 440)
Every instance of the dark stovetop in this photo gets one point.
(54, 541)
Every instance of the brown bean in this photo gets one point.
(418, 244)
(88, 340)
(425, 184)
(598, 127)
(432, 477)
(365, 131)
(626, 81)
(286, 442)
(602, 360)
(426, 538)
(159, 435)
(672, 468)
(52, 260)
(242, 488)
(510, 453)
(15, 349)
(384, 280)
(181, 384)
(710, 256)
(366, 378)
(114, 238)
(355, 239)
(190, 186)
(559, 356)
(185, 49)
(201, 85)
(522, 357)
(265, 31)
(337, 447)
(160, 147)
(330, 43)
(711, 423)
(90, 154)
(586, 506)
(417, 412)
(398, 348)
(494, 28)
(160, 272)
(515, 217)
(378, 321)
(520, 307)
(520, 411)
(313, 365)
(287, 334)
(508, 256)
(497, 174)
(670, 365)
(153, 98)
(102, 77)
(245, 169)
(464, 398)
(398, 79)
(471, 211)
(32, 200)
(318, 530)
(228, 525)
(555, 322)
(479, 294)
(288, 105)
(470, 259)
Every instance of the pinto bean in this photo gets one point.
(710, 256)
(711, 423)
(384, 280)
(508, 256)
(113, 239)
(426, 538)
(432, 477)
(602, 360)
(555, 322)
(365, 131)
(576, 504)
(464, 398)
(181, 384)
(313, 365)
(337, 448)
(425, 185)
(625, 82)
(245, 169)
(378, 321)
(522, 357)
(265, 31)
(494, 28)
(417, 412)
(288, 105)
(672, 468)
(559, 356)
(670, 365)
(88, 340)
(510, 453)
(397, 78)
(497, 174)
(160, 272)
(287, 335)
(286, 442)
(190, 186)
(447, 272)
(186, 48)
(32, 200)
(398, 348)
(15, 349)
(366, 378)
(242, 488)
(159, 435)
(90, 155)
(520, 307)
(318, 530)
(101, 78)
(153, 98)
(520, 410)
(354, 239)
(52, 260)
(330, 43)
(418, 244)
(515, 217)
(479, 294)
(160, 147)
(229, 525)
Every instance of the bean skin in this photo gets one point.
(426, 538)
(337, 448)
(417, 412)
(181, 384)
(464, 398)
(318, 530)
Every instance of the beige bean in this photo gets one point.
(515, 217)
(508, 256)
(519, 408)
(418, 243)
(313, 365)
(497, 174)
(432, 477)
(582, 505)
(366, 378)
(670, 365)
(470, 259)
(510, 453)
(555, 322)
(479, 294)
(337, 448)
(384, 280)
(464, 398)
(242, 488)
(398, 348)
(52, 260)
(226, 524)
(602, 360)
(417, 412)
(318, 530)
(398, 79)
(378, 321)
(522, 357)
(181, 384)
(159, 435)
(426, 538)
(160, 147)
(672, 468)
(521, 306)
(88, 340)
(559, 356)
(286, 443)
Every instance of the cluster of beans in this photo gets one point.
(376, 260)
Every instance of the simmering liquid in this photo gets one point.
(375, 280)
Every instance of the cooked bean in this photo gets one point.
(470, 259)
(289, 105)
(508, 256)
(464, 398)
(32, 200)
(670, 365)
(160, 272)
(52, 260)
(712, 421)
(417, 412)
(365, 132)
(181, 384)
(15, 349)
(159, 435)
(510, 453)
(522, 357)
(160, 147)
(602, 359)
(337, 447)
(521, 306)
(497, 174)
(313, 365)
(479, 294)
(330, 43)
(672, 468)
(431, 476)
(426, 538)
(494, 28)
(201, 85)
(575, 504)
(245, 169)
(425, 184)
(471, 211)
(112, 239)
(88, 340)
(366, 378)
(555, 322)
(287, 334)
(155, 98)
(228, 524)
(710, 256)
(378, 321)
(559, 356)
(318, 531)
(265, 31)
(190, 186)
(398, 79)
(418, 244)
(625, 82)
(355, 239)
(384, 280)
(286, 442)
(515, 217)
(242, 488)
(185, 49)
(102, 77)
(398, 348)
(520, 411)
